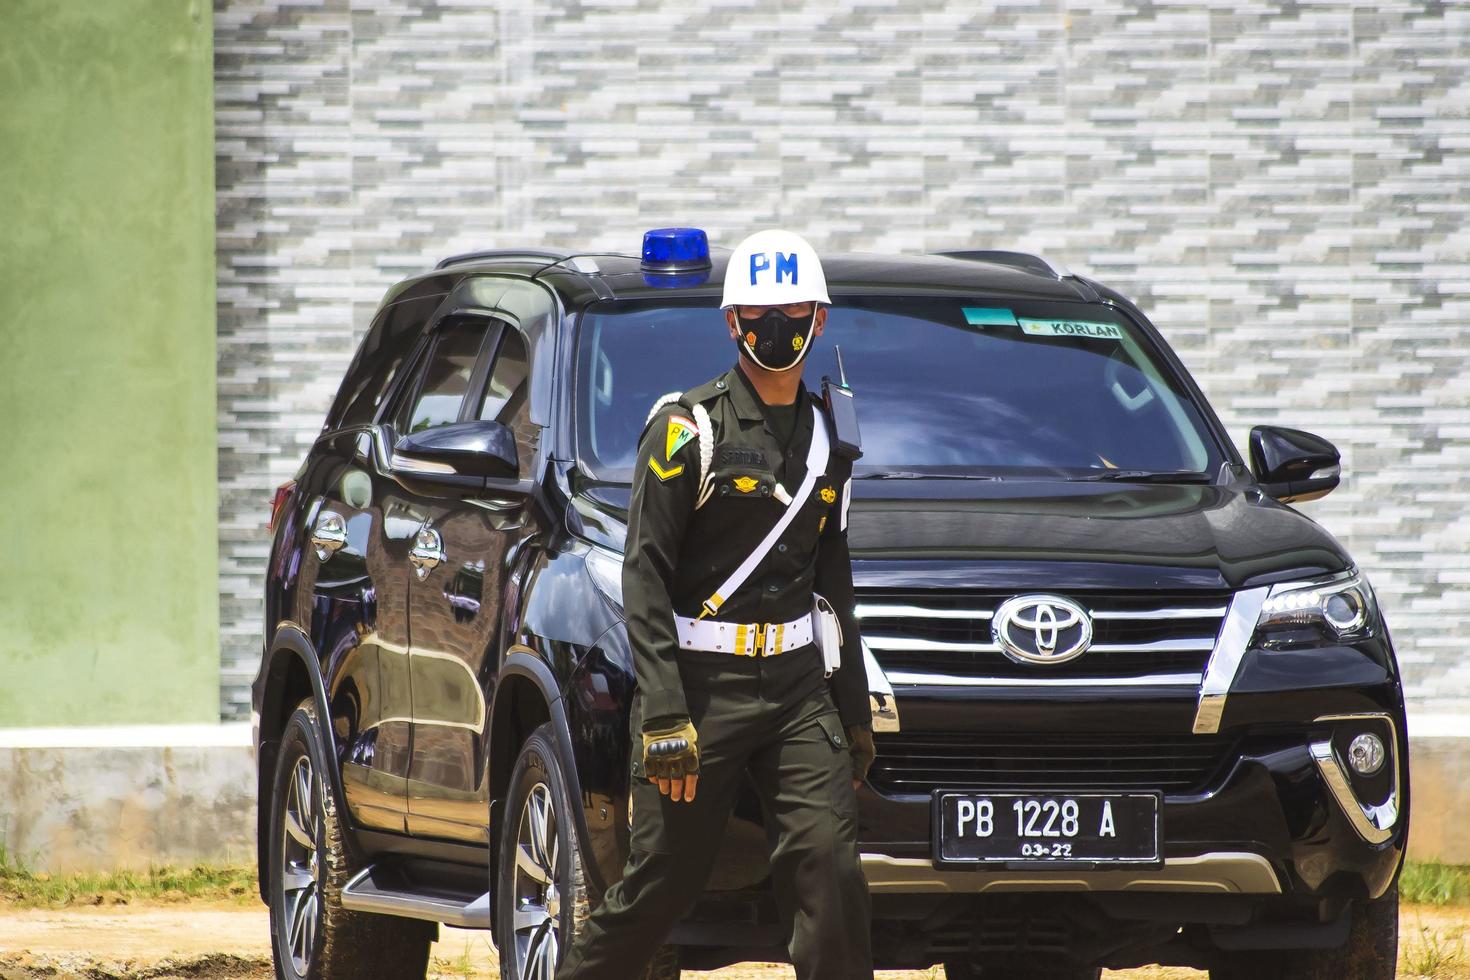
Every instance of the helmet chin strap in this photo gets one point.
(806, 345)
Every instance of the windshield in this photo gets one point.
(945, 387)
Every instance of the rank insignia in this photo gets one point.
(828, 495)
(664, 474)
(822, 523)
(745, 484)
(680, 431)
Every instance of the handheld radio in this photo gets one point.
(847, 441)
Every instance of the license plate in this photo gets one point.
(1040, 828)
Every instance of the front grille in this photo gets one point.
(918, 762)
(942, 636)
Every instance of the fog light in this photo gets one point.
(1366, 754)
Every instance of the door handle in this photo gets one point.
(427, 552)
(328, 534)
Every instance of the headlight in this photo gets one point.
(1339, 605)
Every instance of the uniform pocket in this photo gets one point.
(839, 781)
(832, 728)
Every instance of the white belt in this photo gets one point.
(743, 639)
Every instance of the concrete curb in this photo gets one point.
(103, 799)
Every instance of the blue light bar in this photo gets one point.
(676, 280)
(675, 250)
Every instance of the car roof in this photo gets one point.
(584, 276)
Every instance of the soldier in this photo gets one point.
(719, 605)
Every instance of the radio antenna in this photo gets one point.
(841, 371)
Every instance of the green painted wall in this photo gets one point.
(108, 581)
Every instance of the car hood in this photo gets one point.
(1055, 535)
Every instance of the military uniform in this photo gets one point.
(775, 715)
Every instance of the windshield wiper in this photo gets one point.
(913, 475)
(1144, 476)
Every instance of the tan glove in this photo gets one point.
(860, 743)
(671, 751)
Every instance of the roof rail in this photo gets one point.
(1016, 260)
(504, 255)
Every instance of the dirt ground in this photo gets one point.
(227, 942)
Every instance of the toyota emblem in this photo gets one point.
(1041, 629)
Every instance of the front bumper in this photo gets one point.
(1215, 872)
(1286, 816)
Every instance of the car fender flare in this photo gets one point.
(290, 641)
(522, 661)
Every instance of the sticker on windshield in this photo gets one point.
(1071, 328)
(979, 316)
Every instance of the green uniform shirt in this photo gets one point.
(782, 419)
(677, 556)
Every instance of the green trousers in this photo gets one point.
(779, 723)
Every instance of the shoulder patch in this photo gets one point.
(663, 474)
(680, 431)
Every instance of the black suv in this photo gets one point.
(1130, 707)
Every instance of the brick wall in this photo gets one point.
(1282, 186)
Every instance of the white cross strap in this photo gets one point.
(816, 465)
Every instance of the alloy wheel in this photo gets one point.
(537, 888)
(301, 864)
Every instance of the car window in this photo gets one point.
(446, 380)
(384, 350)
(506, 395)
(1010, 389)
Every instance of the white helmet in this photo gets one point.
(774, 268)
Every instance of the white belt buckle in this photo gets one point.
(748, 639)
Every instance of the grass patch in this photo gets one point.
(21, 887)
(1432, 883)
(1429, 953)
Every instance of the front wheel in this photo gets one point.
(1370, 953)
(312, 936)
(540, 882)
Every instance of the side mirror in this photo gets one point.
(1292, 465)
(459, 457)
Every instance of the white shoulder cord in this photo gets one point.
(706, 442)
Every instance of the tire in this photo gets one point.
(546, 888)
(312, 936)
(1370, 953)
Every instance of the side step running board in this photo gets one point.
(385, 891)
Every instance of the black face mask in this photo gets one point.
(775, 341)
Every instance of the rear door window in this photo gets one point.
(385, 348)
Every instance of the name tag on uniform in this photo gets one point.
(742, 457)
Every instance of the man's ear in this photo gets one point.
(821, 321)
(730, 322)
